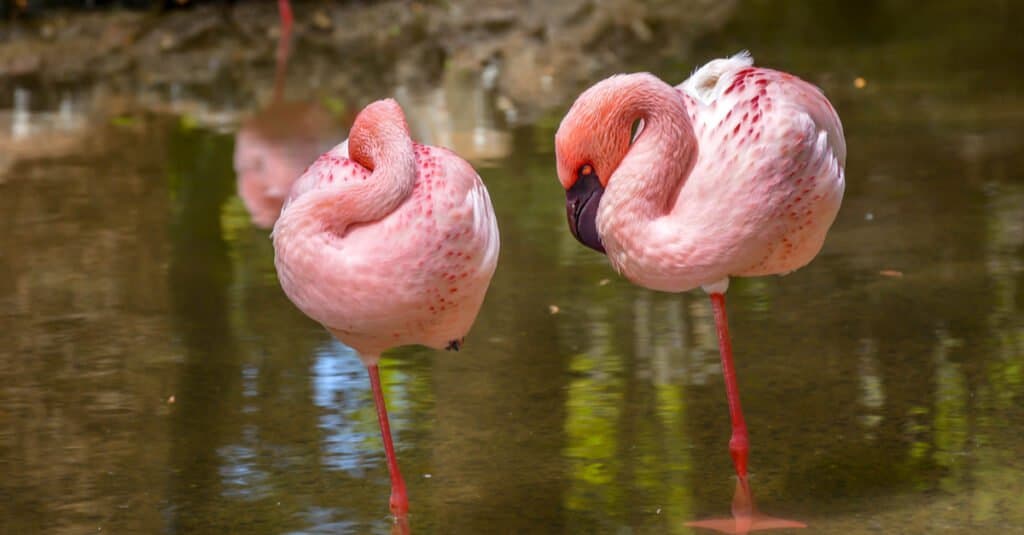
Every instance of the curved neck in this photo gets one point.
(647, 181)
(388, 153)
(365, 195)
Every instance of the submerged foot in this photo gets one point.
(745, 517)
(400, 526)
(399, 500)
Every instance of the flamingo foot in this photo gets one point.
(400, 526)
(745, 517)
(746, 525)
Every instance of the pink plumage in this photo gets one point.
(394, 246)
(387, 242)
(738, 171)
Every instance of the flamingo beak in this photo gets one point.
(581, 202)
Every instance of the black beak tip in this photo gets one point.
(581, 203)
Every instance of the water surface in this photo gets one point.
(154, 378)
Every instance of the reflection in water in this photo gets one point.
(593, 421)
(20, 115)
(245, 372)
(206, 402)
(23, 130)
(83, 306)
(907, 397)
(458, 114)
(341, 391)
(275, 146)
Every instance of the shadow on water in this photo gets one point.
(153, 377)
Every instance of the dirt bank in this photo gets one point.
(535, 53)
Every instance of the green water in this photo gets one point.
(154, 378)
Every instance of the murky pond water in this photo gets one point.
(154, 378)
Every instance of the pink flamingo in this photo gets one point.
(738, 171)
(387, 242)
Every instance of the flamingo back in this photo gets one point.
(770, 163)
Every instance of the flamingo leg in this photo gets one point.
(284, 9)
(399, 498)
(739, 443)
(745, 516)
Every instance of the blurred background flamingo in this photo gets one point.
(274, 146)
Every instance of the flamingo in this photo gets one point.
(387, 242)
(274, 146)
(738, 171)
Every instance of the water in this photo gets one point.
(154, 379)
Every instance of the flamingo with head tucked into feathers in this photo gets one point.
(738, 171)
(386, 242)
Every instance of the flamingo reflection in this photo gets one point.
(274, 146)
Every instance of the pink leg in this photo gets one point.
(399, 499)
(745, 517)
(739, 444)
(284, 9)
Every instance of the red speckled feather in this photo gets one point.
(738, 171)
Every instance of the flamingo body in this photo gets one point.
(416, 275)
(387, 242)
(738, 171)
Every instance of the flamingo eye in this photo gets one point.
(586, 170)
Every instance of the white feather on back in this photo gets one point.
(704, 85)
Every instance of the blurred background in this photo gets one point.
(154, 378)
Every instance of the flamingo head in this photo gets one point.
(591, 142)
(581, 202)
(375, 128)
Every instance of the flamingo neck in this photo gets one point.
(386, 151)
(389, 155)
(647, 182)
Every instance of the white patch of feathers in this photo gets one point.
(704, 84)
(479, 201)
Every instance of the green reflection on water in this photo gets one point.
(591, 427)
